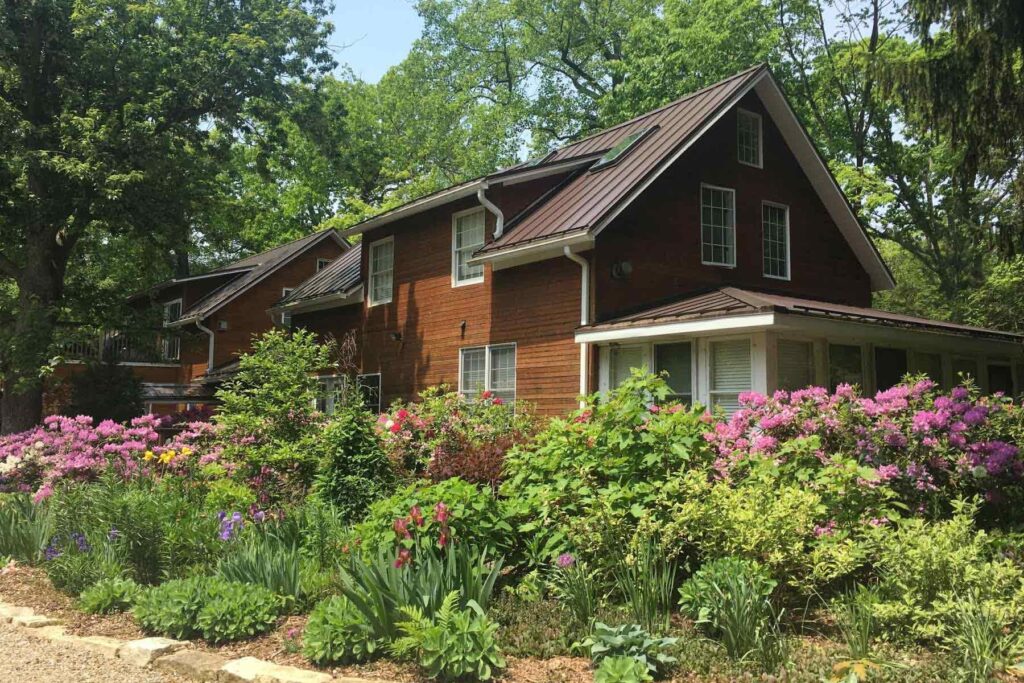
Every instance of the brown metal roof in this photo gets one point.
(341, 275)
(729, 301)
(591, 195)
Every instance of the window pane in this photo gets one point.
(748, 138)
(469, 236)
(474, 372)
(730, 372)
(928, 363)
(963, 368)
(1000, 378)
(844, 366)
(718, 231)
(775, 231)
(675, 360)
(369, 387)
(890, 367)
(796, 364)
(623, 359)
(503, 372)
(381, 270)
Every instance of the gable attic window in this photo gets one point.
(621, 148)
(748, 138)
(322, 263)
(467, 237)
(382, 271)
(718, 226)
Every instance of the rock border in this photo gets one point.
(174, 656)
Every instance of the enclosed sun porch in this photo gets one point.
(716, 345)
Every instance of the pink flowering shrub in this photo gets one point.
(444, 435)
(927, 446)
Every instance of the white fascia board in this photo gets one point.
(734, 323)
(535, 251)
(320, 303)
(417, 206)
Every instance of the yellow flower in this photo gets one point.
(186, 451)
(166, 457)
(148, 455)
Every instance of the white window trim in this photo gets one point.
(487, 366)
(455, 255)
(760, 137)
(789, 263)
(370, 301)
(168, 304)
(170, 340)
(286, 316)
(322, 263)
(757, 360)
(700, 219)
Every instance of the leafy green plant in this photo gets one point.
(265, 560)
(353, 470)
(855, 617)
(622, 669)
(337, 633)
(456, 643)
(979, 641)
(235, 611)
(171, 609)
(629, 640)
(574, 585)
(228, 494)
(76, 564)
(25, 528)
(109, 595)
(646, 579)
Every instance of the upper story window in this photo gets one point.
(775, 240)
(488, 368)
(382, 271)
(718, 225)
(322, 263)
(286, 316)
(748, 138)
(171, 343)
(467, 237)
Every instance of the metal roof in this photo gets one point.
(730, 301)
(339, 276)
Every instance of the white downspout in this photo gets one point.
(209, 356)
(584, 314)
(499, 217)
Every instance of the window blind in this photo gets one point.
(796, 364)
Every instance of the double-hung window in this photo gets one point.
(718, 225)
(286, 316)
(382, 271)
(467, 237)
(775, 240)
(730, 372)
(748, 138)
(676, 360)
(796, 364)
(488, 368)
(171, 342)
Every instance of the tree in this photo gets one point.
(107, 113)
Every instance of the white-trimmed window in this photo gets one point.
(286, 316)
(718, 225)
(171, 342)
(329, 391)
(622, 360)
(488, 368)
(775, 240)
(369, 387)
(748, 138)
(467, 237)
(796, 364)
(677, 360)
(382, 271)
(730, 372)
(322, 263)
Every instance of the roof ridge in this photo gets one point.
(315, 233)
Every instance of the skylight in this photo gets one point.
(619, 150)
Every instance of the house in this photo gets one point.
(706, 239)
(208, 321)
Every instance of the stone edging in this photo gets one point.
(168, 655)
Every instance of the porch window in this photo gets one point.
(1000, 378)
(621, 360)
(676, 360)
(488, 368)
(329, 391)
(467, 237)
(775, 240)
(171, 342)
(796, 364)
(929, 364)
(718, 226)
(964, 368)
(730, 372)
(748, 138)
(890, 367)
(369, 388)
(845, 365)
(382, 271)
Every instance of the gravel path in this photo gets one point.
(28, 659)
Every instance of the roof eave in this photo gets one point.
(531, 252)
(353, 295)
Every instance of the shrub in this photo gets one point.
(106, 391)
(25, 529)
(630, 640)
(228, 494)
(456, 643)
(109, 595)
(353, 471)
(622, 670)
(337, 633)
(75, 563)
(235, 611)
(171, 609)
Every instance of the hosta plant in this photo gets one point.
(622, 669)
(629, 640)
(109, 595)
(455, 644)
(337, 633)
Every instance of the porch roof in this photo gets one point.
(176, 393)
(749, 308)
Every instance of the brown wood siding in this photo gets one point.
(660, 233)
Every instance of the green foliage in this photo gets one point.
(534, 628)
(235, 611)
(998, 301)
(106, 391)
(455, 643)
(75, 569)
(228, 494)
(855, 616)
(979, 641)
(109, 595)
(25, 528)
(171, 609)
(630, 640)
(646, 578)
(262, 559)
(622, 669)
(353, 471)
(337, 633)
(576, 589)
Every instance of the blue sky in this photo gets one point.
(371, 36)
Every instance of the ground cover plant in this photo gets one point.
(811, 535)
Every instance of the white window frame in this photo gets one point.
(370, 300)
(171, 343)
(789, 265)
(286, 316)
(693, 364)
(322, 263)
(487, 348)
(700, 218)
(740, 114)
(456, 282)
(709, 367)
